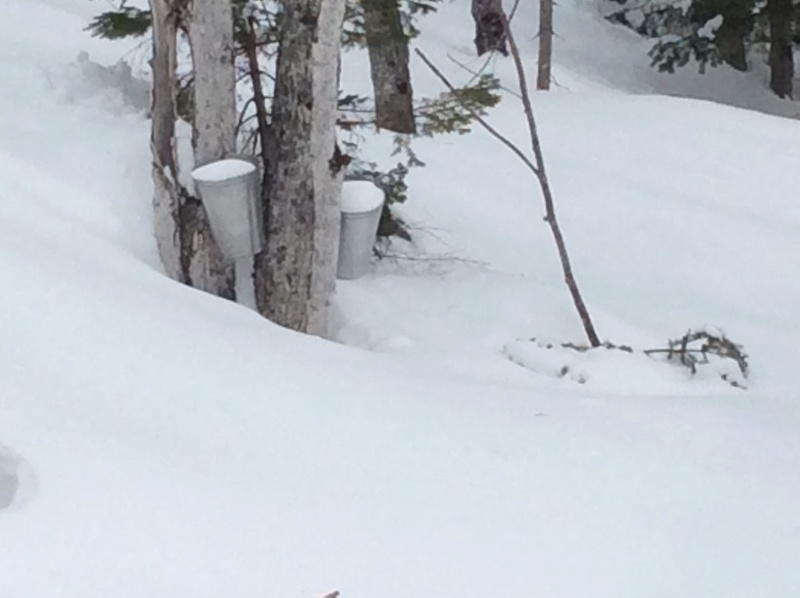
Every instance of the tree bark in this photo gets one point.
(204, 266)
(295, 273)
(545, 44)
(781, 59)
(213, 137)
(166, 199)
(328, 171)
(388, 57)
(731, 35)
(729, 40)
(490, 30)
(215, 115)
(186, 246)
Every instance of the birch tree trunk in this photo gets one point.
(215, 116)
(328, 172)
(213, 137)
(545, 44)
(166, 199)
(295, 274)
(388, 58)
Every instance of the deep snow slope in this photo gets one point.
(678, 213)
(591, 54)
(171, 444)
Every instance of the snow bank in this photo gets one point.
(169, 443)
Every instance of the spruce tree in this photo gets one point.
(713, 32)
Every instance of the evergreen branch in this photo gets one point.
(478, 118)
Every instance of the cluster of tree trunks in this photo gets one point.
(731, 37)
(295, 274)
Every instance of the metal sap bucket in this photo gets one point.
(362, 202)
(229, 191)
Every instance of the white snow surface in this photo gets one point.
(222, 170)
(169, 444)
(361, 196)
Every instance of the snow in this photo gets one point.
(361, 196)
(222, 170)
(168, 443)
(710, 27)
(9, 477)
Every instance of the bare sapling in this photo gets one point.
(537, 167)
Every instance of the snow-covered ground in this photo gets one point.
(170, 444)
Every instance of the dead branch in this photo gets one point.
(694, 348)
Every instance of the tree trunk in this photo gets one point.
(737, 22)
(186, 246)
(729, 40)
(213, 137)
(328, 170)
(215, 116)
(781, 59)
(295, 274)
(166, 200)
(388, 58)
(204, 266)
(490, 31)
(545, 44)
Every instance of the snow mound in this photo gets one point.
(620, 370)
